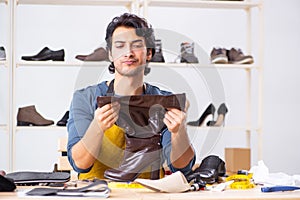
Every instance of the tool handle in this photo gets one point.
(279, 188)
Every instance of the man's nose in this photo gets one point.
(128, 50)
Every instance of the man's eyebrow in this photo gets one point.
(138, 40)
(120, 41)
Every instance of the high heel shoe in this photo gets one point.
(210, 110)
(222, 110)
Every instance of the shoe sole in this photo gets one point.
(22, 123)
(244, 61)
(219, 60)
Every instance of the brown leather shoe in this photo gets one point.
(100, 54)
(28, 116)
(236, 56)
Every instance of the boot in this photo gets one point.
(141, 117)
(187, 53)
(158, 56)
(140, 153)
(28, 116)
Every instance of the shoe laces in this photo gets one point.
(218, 51)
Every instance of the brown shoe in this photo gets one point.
(236, 56)
(100, 54)
(218, 56)
(28, 116)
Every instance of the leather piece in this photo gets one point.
(6, 184)
(142, 115)
(31, 177)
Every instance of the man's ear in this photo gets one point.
(149, 54)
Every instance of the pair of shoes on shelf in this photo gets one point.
(232, 56)
(29, 116)
(2, 53)
(220, 121)
(46, 54)
(158, 55)
(99, 54)
(210, 111)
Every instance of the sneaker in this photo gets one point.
(187, 53)
(158, 56)
(218, 56)
(236, 56)
(2, 53)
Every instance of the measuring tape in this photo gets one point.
(113, 185)
(241, 181)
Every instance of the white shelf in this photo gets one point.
(41, 128)
(199, 65)
(61, 64)
(77, 2)
(3, 63)
(152, 64)
(223, 128)
(203, 4)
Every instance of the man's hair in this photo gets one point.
(143, 29)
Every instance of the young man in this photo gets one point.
(95, 142)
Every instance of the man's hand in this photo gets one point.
(175, 120)
(107, 115)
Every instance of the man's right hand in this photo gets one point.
(107, 115)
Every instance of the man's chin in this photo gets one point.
(131, 70)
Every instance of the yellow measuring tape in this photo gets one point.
(241, 181)
(113, 185)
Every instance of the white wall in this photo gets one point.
(81, 29)
(282, 97)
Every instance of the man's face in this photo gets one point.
(129, 51)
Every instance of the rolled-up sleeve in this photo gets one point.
(167, 146)
(80, 116)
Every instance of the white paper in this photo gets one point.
(261, 175)
(176, 182)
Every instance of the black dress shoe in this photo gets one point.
(64, 120)
(209, 170)
(46, 54)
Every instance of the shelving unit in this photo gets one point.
(126, 3)
(61, 64)
(15, 65)
(142, 7)
(199, 65)
(5, 127)
(247, 6)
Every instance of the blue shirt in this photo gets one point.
(81, 114)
